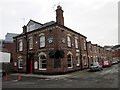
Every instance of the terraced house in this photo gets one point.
(51, 48)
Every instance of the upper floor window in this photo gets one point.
(76, 42)
(30, 43)
(69, 41)
(84, 45)
(42, 40)
(90, 48)
(95, 49)
(20, 45)
(30, 27)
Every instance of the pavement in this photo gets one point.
(42, 76)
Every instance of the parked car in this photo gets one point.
(96, 67)
(106, 64)
(118, 60)
(114, 62)
(2, 72)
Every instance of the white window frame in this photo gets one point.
(76, 42)
(42, 41)
(77, 60)
(85, 60)
(31, 43)
(70, 61)
(20, 45)
(20, 60)
(40, 62)
(35, 65)
(69, 41)
(84, 44)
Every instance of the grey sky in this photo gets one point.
(96, 19)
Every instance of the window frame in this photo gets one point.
(42, 42)
(40, 62)
(70, 60)
(76, 43)
(84, 44)
(85, 60)
(20, 63)
(31, 43)
(20, 45)
(77, 60)
(69, 41)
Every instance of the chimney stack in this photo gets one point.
(59, 15)
(24, 29)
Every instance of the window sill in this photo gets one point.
(70, 67)
(41, 47)
(30, 48)
(20, 51)
(42, 69)
(20, 68)
(77, 65)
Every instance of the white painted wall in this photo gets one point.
(4, 57)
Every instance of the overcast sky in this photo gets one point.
(96, 19)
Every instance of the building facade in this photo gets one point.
(116, 52)
(53, 48)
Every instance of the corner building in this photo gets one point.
(49, 48)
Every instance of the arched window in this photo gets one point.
(42, 61)
(42, 41)
(20, 45)
(31, 43)
(69, 58)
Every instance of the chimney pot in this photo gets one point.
(59, 15)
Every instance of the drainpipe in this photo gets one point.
(26, 36)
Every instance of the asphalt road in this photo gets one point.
(107, 78)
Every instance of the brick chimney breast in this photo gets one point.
(59, 15)
(24, 29)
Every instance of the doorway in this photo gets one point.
(29, 63)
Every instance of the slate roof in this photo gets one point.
(116, 47)
(47, 25)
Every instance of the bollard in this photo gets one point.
(6, 76)
(19, 77)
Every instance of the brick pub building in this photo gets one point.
(52, 48)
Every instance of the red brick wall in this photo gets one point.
(57, 33)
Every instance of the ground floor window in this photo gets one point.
(42, 62)
(20, 63)
(84, 59)
(69, 58)
(35, 65)
(77, 60)
(15, 64)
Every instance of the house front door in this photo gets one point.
(31, 66)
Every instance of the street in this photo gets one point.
(107, 78)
